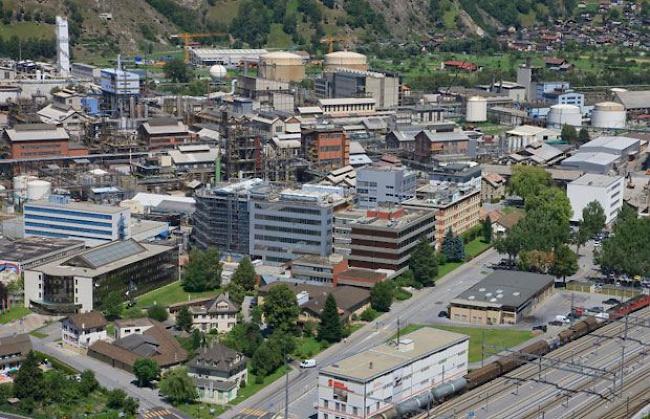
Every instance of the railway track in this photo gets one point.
(503, 387)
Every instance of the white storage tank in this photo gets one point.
(218, 72)
(20, 185)
(476, 109)
(608, 115)
(346, 59)
(282, 66)
(38, 189)
(562, 114)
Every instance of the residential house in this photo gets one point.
(493, 187)
(13, 350)
(219, 372)
(502, 225)
(83, 329)
(219, 314)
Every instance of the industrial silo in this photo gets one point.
(282, 66)
(608, 115)
(562, 114)
(38, 189)
(346, 59)
(476, 109)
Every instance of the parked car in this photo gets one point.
(562, 318)
(541, 327)
(612, 301)
(556, 323)
(595, 309)
(308, 363)
(444, 314)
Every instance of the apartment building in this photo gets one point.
(385, 238)
(368, 383)
(377, 185)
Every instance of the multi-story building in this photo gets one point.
(430, 144)
(455, 207)
(13, 351)
(347, 106)
(385, 238)
(83, 329)
(286, 224)
(377, 185)
(165, 133)
(342, 230)
(81, 283)
(219, 372)
(36, 141)
(326, 148)
(493, 187)
(318, 270)
(458, 173)
(219, 314)
(368, 383)
(221, 218)
(347, 83)
(608, 191)
(61, 218)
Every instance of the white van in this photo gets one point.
(308, 363)
(562, 318)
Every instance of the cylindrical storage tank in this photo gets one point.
(20, 185)
(608, 115)
(282, 66)
(443, 391)
(476, 109)
(346, 59)
(38, 189)
(561, 115)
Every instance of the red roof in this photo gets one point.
(462, 65)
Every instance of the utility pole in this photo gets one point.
(286, 387)
(482, 347)
(623, 353)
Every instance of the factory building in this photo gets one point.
(503, 297)
(221, 218)
(608, 191)
(80, 283)
(61, 218)
(282, 66)
(347, 106)
(35, 141)
(290, 223)
(377, 185)
(230, 58)
(368, 383)
(326, 148)
(347, 83)
(165, 133)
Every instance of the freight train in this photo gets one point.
(504, 364)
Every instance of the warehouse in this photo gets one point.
(227, 57)
(503, 297)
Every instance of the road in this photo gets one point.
(423, 307)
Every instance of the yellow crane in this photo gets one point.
(330, 40)
(189, 37)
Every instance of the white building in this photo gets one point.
(61, 218)
(370, 382)
(228, 57)
(384, 185)
(219, 314)
(520, 137)
(83, 329)
(606, 190)
(120, 82)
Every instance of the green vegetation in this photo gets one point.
(146, 370)
(401, 294)
(281, 308)
(307, 347)
(330, 329)
(381, 296)
(502, 338)
(472, 249)
(14, 313)
(171, 294)
(423, 264)
(38, 334)
(627, 250)
(178, 387)
(256, 383)
(203, 271)
(27, 30)
(201, 410)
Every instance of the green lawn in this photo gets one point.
(24, 30)
(38, 334)
(401, 294)
(14, 313)
(307, 347)
(252, 387)
(201, 410)
(171, 294)
(503, 338)
(472, 249)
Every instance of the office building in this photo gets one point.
(222, 218)
(326, 148)
(59, 217)
(318, 270)
(429, 145)
(608, 191)
(21, 254)
(81, 283)
(384, 184)
(286, 224)
(503, 297)
(368, 383)
(385, 238)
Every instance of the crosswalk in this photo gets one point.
(159, 413)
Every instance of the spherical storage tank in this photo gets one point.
(608, 115)
(218, 72)
(346, 59)
(282, 66)
(561, 115)
(38, 189)
(476, 109)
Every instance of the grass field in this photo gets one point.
(25, 30)
(503, 338)
(472, 249)
(252, 387)
(171, 294)
(307, 347)
(14, 313)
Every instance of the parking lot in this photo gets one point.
(560, 303)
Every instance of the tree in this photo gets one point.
(236, 293)
(178, 387)
(29, 382)
(146, 370)
(281, 308)
(449, 245)
(329, 329)
(265, 360)
(244, 337)
(569, 134)
(593, 221)
(115, 398)
(112, 305)
(87, 382)
(565, 263)
(486, 230)
(130, 406)
(423, 263)
(157, 312)
(528, 181)
(459, 249)
(381, 296)
(203, 271)
(244, 275)
(184, 319)
(583, 136)
(197, 339)
(177, 71)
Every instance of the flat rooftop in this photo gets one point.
(600, 181)
(76, 206)
(387, 357)
(504, 288)
(619, 143)
(24, 250)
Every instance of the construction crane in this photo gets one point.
(187, 41)
(330, 40)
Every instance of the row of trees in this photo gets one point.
(627, 250)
